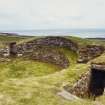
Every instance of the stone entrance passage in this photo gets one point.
(12, 49)
(97, 81)
(91, 84)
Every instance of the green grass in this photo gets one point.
(20, 68)
(39, 90)
(27, 82)
(99, 60)
(11, 38)
(84, 42)
(4, 40)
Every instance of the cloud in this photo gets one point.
(50, 14)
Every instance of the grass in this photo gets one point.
(4, 40)
(39, 90)
(99, 60)
(36, 83)
(84, 42)
(12, 38)
(27, 82)
(20, 68)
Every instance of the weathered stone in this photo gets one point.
(80, 88)
(67, 95)
(98, 66)
(90, 84)
(46, 54)
(12, 49)
(89, 52)
(48, 41)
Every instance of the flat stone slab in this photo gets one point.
(68, 96)
(98, 66)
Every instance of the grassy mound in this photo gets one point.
(25, 82)
(99, 60)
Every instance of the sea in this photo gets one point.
(84, 33)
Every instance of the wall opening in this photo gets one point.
(12, 49)
(97, 83)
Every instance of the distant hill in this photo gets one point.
(97, 38)
(9, 34)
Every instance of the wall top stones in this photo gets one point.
(89, 52)
(98, 66)
(49, 41)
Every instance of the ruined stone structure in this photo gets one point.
(89, 52)
(48, 41)
(84, 54)
(97, 80)
(49, 55)
(92, 83)
(42, 53)
(13, 49)
(80, 88)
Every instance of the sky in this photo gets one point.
(51, 14)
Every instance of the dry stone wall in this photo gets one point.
(80, 88)
(84, 54)
(49, 55)
(48, 41)
(89, 52)
(91, 84)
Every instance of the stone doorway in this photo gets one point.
(97, 82)
(12, 49)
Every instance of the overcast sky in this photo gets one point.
(51, 14)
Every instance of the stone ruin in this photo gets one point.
(49, 55)
(91, 84)
(84, 54)
(80, 88)
(9, 50)
(97, 80)
(48, 41)
(89, 52)
(41, 49)
(12, 49)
